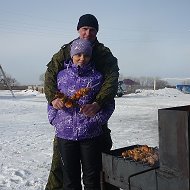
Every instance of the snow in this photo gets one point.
(26, 137)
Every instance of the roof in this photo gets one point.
(130, 82)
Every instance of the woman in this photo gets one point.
(79, 135)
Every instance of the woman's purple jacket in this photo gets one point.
(69, 123)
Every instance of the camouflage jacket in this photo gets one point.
(105, 63)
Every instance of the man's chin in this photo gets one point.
(90, 39)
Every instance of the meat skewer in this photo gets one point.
(142, 153)
(72, 101)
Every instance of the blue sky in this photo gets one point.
(149, 37)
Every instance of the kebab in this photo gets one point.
(142, 153)
(72, 101)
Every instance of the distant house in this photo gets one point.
(38, 88)
(131, 85)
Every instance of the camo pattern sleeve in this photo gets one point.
(53, 67)
(107, 64)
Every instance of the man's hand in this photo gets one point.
(57, 104)
(90, 110)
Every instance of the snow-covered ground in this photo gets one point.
(26, 136)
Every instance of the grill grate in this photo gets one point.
(120, 171)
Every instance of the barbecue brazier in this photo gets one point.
(172, 170)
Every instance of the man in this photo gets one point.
(106, 63)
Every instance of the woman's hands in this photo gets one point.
(90, 110)
(57, 104)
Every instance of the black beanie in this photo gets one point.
(88, 20)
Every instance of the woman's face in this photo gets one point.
(87, 33)
(80, 59)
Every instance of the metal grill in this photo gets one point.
(127, 173)
(171, 172)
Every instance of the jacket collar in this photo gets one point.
(89, 67)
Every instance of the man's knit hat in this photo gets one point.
(88, 20)
(81, 46)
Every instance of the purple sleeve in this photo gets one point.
(105, 113)
(51, 113)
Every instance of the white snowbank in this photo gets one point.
(26, 136)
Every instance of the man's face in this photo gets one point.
(88, 33)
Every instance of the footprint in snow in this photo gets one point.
(22, 173)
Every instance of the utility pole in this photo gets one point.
(2, 73)
(154, 85)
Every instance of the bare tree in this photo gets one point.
(148, 82)
(12, 81)
(161, 84)
(42, 78)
